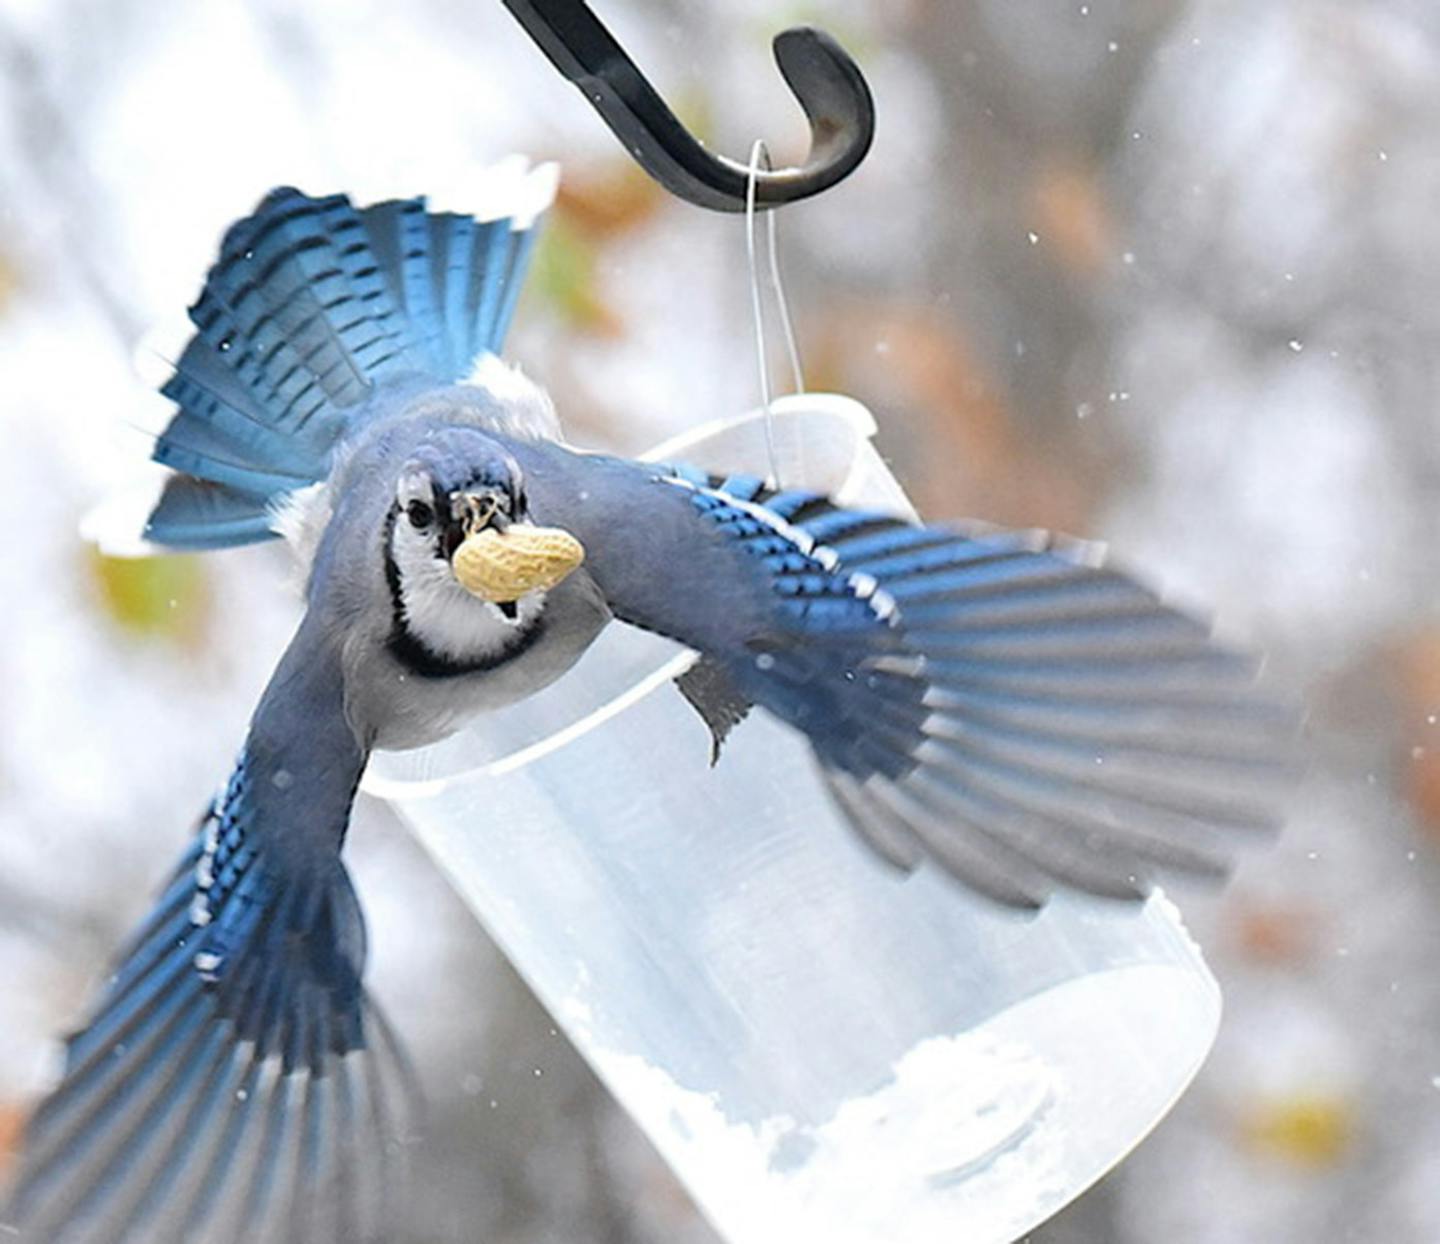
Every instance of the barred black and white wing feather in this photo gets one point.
(988, 699)
(235, 1081)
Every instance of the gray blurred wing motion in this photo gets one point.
(983, 698)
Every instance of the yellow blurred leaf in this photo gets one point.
(1312, 1130)
(564, 280)
(9, 282)
(164, 597)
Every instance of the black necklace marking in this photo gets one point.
(415, 654)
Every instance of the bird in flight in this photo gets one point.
(984, 700)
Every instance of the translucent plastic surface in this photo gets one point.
(821, 1048)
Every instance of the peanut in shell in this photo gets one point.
(501, 567)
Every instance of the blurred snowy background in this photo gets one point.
(1157, 272)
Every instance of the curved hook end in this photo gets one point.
(829, 86)
(823, 77)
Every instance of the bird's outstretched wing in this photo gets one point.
(986, 698)
(235, 1081)
(313, 308)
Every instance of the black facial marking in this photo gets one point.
(451, 538)
(419, 658)
(392, 575)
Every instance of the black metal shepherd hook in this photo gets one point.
(825, 80)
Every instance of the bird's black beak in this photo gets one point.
(471, 512)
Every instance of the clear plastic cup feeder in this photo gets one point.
(819, 1047)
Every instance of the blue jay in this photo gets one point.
(982, 699)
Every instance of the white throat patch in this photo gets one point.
(442, 615)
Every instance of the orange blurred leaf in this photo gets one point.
(915, 366)
(1072, 216)
(607, 201)
(1418, 706)
(12, 1124)
(1275, 935)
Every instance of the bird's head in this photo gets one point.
(467, 567)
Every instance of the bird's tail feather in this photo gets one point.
(235, 1082)
(312, 306)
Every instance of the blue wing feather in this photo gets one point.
(145, 1083)
(187, 1105)
(989, 699)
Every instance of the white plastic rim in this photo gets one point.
(820, 1048)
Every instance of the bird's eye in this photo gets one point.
(419, 514)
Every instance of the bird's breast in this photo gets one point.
(401, 706)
